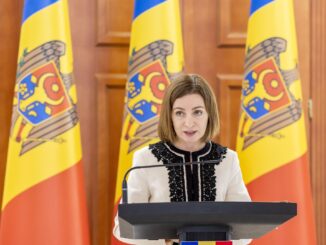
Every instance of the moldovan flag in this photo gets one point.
(44, 199)
(155, 56)
(271, 141)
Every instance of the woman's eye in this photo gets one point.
(179, 113)
(198, 112)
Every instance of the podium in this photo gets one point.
(202, 221)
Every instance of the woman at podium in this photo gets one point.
(189, 120)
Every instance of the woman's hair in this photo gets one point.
(183, 85)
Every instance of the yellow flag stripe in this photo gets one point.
(53, 23)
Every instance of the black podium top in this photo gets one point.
(163, 220)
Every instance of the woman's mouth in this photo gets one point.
(189, 133)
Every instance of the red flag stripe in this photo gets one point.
(287, 183)
(57, 213)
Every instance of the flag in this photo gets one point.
(155, 56)
(271, 142)
(44, 199)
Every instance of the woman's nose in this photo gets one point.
(189, 121)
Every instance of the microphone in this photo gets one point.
(124, 181)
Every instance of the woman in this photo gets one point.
(188, 121)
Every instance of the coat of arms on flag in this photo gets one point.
(43, 108)
(147, 83)
(266, 96)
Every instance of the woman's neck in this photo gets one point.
(191, 147)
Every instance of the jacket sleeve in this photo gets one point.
(138, 186)
(138, 192)
(236, 189)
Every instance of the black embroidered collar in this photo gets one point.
(190, 183)
(187, 154)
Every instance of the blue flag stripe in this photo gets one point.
(143, 5)
(32, 6)
(257, 4)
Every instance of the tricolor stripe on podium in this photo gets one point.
(207, 243)
(155, 55)
(44, 199)
(271, 141)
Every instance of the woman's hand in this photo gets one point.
(168, 242)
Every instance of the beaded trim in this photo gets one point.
(202, 186)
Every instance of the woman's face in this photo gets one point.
(189, 118)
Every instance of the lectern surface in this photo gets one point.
(163, 220)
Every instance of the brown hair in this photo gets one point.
(181, 86)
